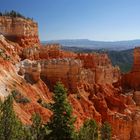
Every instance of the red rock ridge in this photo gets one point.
(20, 30)
(131, 80)
(95, 86)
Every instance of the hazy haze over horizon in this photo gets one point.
(103, 20)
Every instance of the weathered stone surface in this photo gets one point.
(22, 31)
(132, 80)
(67, 70)
(49, 51)
(135, 133)
(95, 86)
(101, 66)
(136, 97)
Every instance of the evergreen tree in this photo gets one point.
(27, 133)
(38, 130)
(10, 127)
(106, 131)
(14, 14)
(61, 123)
(89, 131)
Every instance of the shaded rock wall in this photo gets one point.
(131, 80)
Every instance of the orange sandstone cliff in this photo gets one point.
(96, 89)
(23, 31)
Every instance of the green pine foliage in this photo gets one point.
(60, 126)
(89, 131)
(19, 98)
(10, 127)
(61, 123)
(38, 131)
(106, 131)
(14, 14)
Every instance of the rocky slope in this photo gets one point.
(96, 89)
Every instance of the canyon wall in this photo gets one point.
(68, 67)
(131, 80)
(48, 51)
(96, 89)
(101, 66)
(23, 31)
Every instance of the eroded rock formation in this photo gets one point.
(97, 90)
(131, 80)
(23, 31)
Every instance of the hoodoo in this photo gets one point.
(89, 78)
(131, 80)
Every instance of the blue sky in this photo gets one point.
(107, 20)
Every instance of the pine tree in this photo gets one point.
(10, 127)
(27, 133)
(89, 131)
(106, 131)
(61, 123)
(37, 129)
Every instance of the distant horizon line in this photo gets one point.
(91, 40)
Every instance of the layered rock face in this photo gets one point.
(23, 31)
(67, 70)
(48, 51)
(89, 79)
(131, 80)
(101, 66)
(95, 87)
(72, 69)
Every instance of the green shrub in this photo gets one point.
(106, 131)
(4, 55)
(47, 105)
(19, 98)
(89, 131)
(15, 93)
(44, 104)
(23, 100)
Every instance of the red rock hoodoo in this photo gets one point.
(131, 80)
(97, 90)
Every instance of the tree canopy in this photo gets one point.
(14, 14)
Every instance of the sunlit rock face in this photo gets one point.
(48, 51)
(23, 31)
(70, 68)
(90, 86)
(96, 89)
(101, 66)
(67, 70)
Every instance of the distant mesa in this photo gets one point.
(93, 44)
